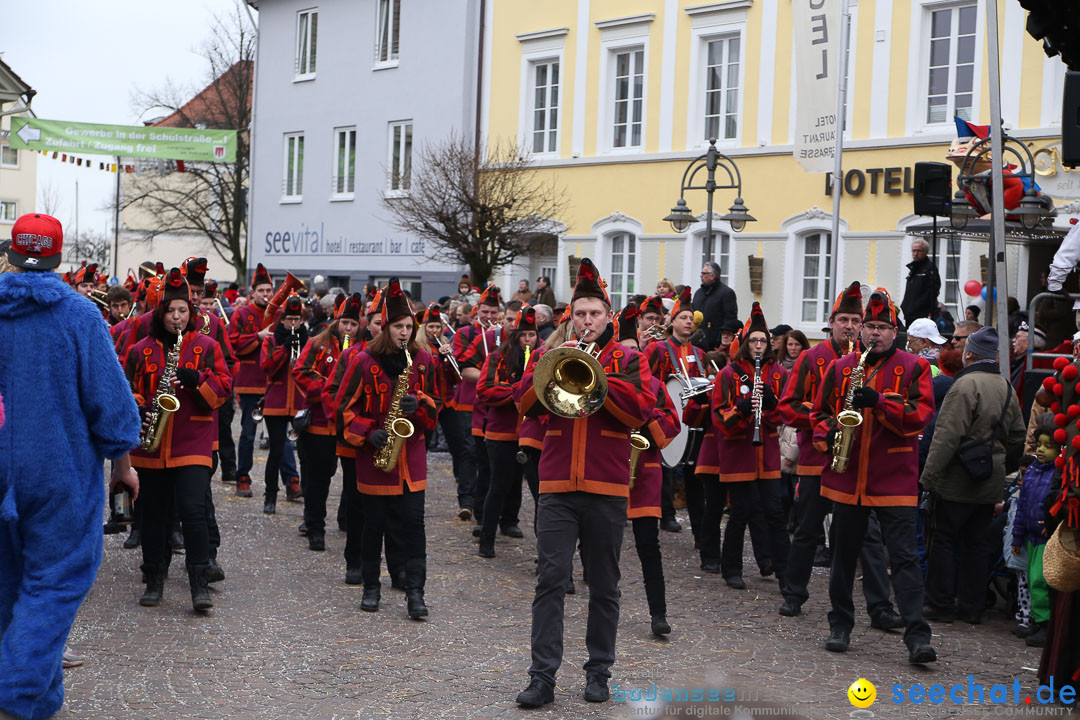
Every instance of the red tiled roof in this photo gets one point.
(214, 107)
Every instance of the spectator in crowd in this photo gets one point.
(961, 333)
(466, 293)
(717, 304)
(972, 312)
(944, 319)
(544, 327)
(980, 412)
(794, 343)
(665, 288)
(923, 284)
(523, 294)
(925, 341)
(544, 294)
(779, 339)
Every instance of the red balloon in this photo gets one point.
(972, 288)
(1060, 363)
(1059, 435)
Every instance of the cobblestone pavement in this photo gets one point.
(286, 638)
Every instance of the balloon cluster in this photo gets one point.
(975, 289)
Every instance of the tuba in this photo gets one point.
(639, 443)
(291, 284)
(396, 425)
(569, 381)
(164, 403)
(848, 419)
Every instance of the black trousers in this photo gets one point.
(695, 499)
(354, 514)
(531, 471)
(898, 531)
(506, 474)
(598, 522)
(710, 536)
(957, 581)
(761, 497)
(401, 518)
(226, 452)
(159, 490)
(483, 477)
(667, 493)
(456, 427)
(647, 544)
(276, 428)
(812, 509)
(318, 462)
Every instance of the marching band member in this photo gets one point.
(178, 469)
(584, 479)
(749, 471)
(502, 369)
(392, 377)
(118, 299)
(84, 279)
(284, 397)
(644, 503)
(652, 315)
(312, 372)
(896, 402)
(845, 323)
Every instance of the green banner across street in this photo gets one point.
(140, 141)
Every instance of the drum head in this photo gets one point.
(672, 455)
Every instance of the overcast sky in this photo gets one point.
(85, 59)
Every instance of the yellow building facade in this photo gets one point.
(614, 98)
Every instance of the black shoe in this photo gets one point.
(538, 693)
(596, 689)
(921, 654)
(970, 619)
(155, 588)
(370, 601)
(934, 614)
(414, 599)
(790, 608)
(768, 570)
(133, 540)
(671, 525)
(735, 582)
(1037, 638)
(512, 531)
(464, 514)
(477, 529)
(710, 567)
(200, 588)
(660, 625)
(838, 641)
(303, 528)
(176, 541)
(486, 549)
(270, 505)
(823, 557)
(1023, 631)
(887, 620)
(397, 580)
(228, 477)
(214, 573)
(354, 576)
(570, 588)
(316, 542)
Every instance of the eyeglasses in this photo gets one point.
(757, 341)
(957, 338)
(878, 328)
(708, 272)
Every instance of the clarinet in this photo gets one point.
(757, 396)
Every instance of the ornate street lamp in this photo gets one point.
(682, 218)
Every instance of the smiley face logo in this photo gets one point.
(862, 693)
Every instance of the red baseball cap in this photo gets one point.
(36, 242)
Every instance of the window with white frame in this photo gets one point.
(816, 265)
(9, 156)
(623, 268)
(389, 29)
(344, 179)
(400, 159)
(545, 106)
(722, 88)
(292, 185)
(412, 285)
(629, 98)
(716, 249)
(9, 211)
(307, 34)
(951, 74)
(949, 259)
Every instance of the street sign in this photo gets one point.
(140, 141)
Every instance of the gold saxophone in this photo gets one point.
(639, 443)
(848, 419)
(396, 425)
(164, 403)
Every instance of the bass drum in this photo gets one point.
(684, 447)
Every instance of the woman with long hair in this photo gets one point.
(795, 343)
(177, 470)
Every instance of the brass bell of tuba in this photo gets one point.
(569, 381)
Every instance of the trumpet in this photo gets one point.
(221, 311)
(657, 332)
(98, 298)
(441, 342)
(291, 283)
(570, 381)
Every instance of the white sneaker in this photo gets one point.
(72, 659)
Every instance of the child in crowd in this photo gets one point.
(1029, 531)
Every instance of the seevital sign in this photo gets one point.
(138, 141)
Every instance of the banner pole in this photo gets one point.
(116, 224)
(838, 156)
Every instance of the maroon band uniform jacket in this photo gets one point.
(661, 429)
(740, 461)
(312, 371)
(244, 330)
(284, 396)
(495, 389)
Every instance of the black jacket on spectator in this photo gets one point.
(921, 291)
(717, 304)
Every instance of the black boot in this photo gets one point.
(270, 504)
(155, 585)
(370, 601)
(134, 539)
(200, 588)
(415, 578)
(214, 573)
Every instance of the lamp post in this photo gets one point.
(738, 215)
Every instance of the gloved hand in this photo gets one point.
(745, 407)
(188, 377)
(281, 334)
(830, 438)
(377, 438)
(302, 335)
(768, 397)
(865, 397)
(409, 403)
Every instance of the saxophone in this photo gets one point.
(848, 419)
(395, 424)
(639, 443)
(164, 403)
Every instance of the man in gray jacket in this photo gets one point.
(962, 507)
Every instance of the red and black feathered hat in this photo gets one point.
(293, 306)
(526, 318)
(490, 296)
(85, 274)
(376, 305)
(174, 287)
(350, 307)
(626, 323)
(131, 282)
(880, 308)
(849, 301)
(102, 279)
(652, 304)
(211, 288)
(432, 314)
(261, 277)
(589, 284)
(195, 269)
(756, 322)
(682, 304)
(395, 305)
(159, 269)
